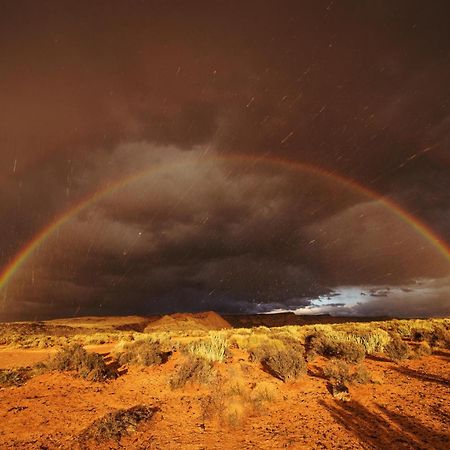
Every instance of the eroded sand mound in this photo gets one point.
(195, 321)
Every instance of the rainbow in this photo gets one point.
(28, 249)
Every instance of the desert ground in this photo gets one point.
(195, 381)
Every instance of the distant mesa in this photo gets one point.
(189, 321)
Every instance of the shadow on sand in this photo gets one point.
(385, 429)
(423, 376)
(379, 358)
(441, 354)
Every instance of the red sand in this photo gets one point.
(409, 410)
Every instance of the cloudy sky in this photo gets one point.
(185, 109)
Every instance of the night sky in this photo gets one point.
(239, 141)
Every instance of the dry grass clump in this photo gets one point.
(143, 352)
(213, 348)
(234, 401)
(252, 339)
(397, 349)
(237, 387)
(285, 365)
(90, 366)
(213, 405)
(116, 424)
(14, 377)
(229, 410)
(234, 413)
(194, 370)
(264, 391)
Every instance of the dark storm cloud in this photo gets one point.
(212, 233)
(94, 92)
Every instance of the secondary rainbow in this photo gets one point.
(27, 250)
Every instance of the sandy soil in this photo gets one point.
(10, 357)
(408, 410)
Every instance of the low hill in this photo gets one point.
(189, 321)
(289, 318)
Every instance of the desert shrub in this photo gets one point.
(340, 374)
(266, 348)
(352, 352)
(32, 341)
(314, 344)
(213, 348)
(230, 410)
(232, 404)
(247, 341)
(438, 336)
(168, 340)
(402, 327)
(212, 405)
(143, 352)
(420, 334)
(97, 339)
(337, 372)
(264, 391)
(197, 370)
(14, 377)
(290, 342)
(234, 412)
(347, 350)
(418, 329)
(373, 341)
(260, 352)
(116, 424)
(285, 365)
(442, 338)
(237, 387)
(90, 366)
(361, 375)
(397, 349)
(423, 349)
